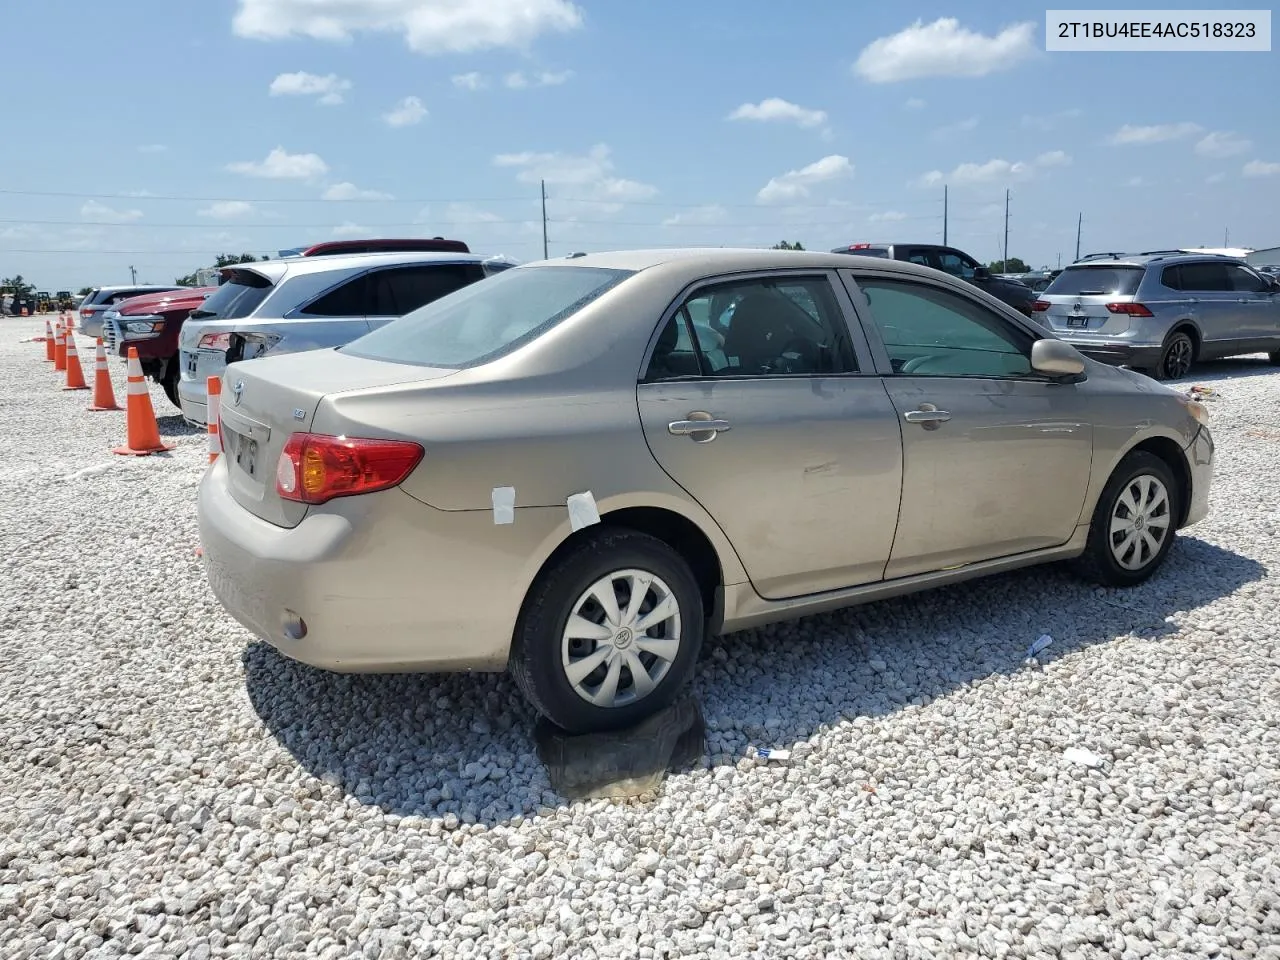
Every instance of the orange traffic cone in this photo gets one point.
(140, 419)
(214, 390)
(60, 348)
(104, 397)
(48, 342)
(75, 375)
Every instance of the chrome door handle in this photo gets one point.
(702, 427)
(928, 416)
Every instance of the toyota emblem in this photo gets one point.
(236, 391)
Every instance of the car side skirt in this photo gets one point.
(739, 607)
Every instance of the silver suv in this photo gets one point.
(310, 303)
(1163, 310)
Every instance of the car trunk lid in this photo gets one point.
(269, 399)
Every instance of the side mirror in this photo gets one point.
(1055, 358)
(981, 273)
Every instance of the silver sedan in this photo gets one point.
(581, 467)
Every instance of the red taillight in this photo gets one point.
(859, 246)
(1040, 306)
(1130, 309)
(314, 468)
(215, 341)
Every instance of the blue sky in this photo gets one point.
(167, 132)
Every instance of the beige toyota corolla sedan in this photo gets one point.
(579, 468)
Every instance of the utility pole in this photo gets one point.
(1226, 237)
(544, 220)
(1004, 266)
(1079, 224)
(944, 214)
(133, 275)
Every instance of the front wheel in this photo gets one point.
(610, 634)
(1134, 523)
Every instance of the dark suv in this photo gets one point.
(955, 262)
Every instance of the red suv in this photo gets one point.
(151, 324)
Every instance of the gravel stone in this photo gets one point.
(175, 789)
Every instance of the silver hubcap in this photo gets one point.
(621, 639)
(1139, 522)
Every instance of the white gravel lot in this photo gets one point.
(172, 789)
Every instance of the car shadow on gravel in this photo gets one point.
(462, 744)
(173, 425)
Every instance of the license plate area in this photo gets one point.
(1077, 321)
(246, 452)
(193, 363)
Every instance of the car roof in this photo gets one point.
(112, 288)
(712, 260)
(276, 270)
(1152, 256)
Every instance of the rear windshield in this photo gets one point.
(1108, 281)
(485, 320)
(238, 297)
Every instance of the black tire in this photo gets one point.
(1098, 562)
(1176, 357)
(536, 662)
(1274, 357)
(170, 382)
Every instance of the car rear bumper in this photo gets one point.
(91, 326)
(1200, 462)
(383, 582)
(1117, 354)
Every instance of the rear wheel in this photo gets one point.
(170, 382)
(1176, 357)
(1134, 523)
(610, 634)
(1274, 357)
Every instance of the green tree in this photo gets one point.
(1012, 265)
(784, 245)
(84, 291)
(222, 260)
(17, 286)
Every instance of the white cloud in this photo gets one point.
(701, 216)
(1215, 178)
(93, 210)
(944, 49)
(1156, 133)
(1260, 168)
(775, 109)
(888, 216)
(152, 148)
(1053, 158)
(915, 103)
(328, 88)
(429, 26)
(405, 113)
(228, 210)
(349, 229)
(996, 170)
(588, 176)
(282, 165)
(953, 130)
(1137, 181)
(1220, 144)
(469, 81)
(545, 78)
(467, 215)
(796, 184)
(349, 191)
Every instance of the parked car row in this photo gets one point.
(577, 469)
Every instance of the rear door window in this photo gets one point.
(355, 298)
(1205, 277)
(414, 287)
(1120, 281)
